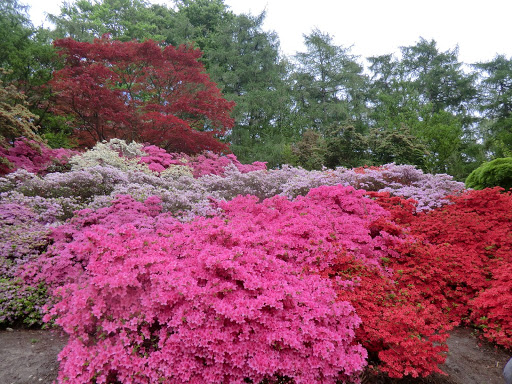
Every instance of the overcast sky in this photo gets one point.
(481, 29)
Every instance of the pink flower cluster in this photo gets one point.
(208, 163)
(223, 299)
(158, 159)
(212, 164)
(33, 156)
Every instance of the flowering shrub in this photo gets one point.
(461, 258)
(91, 184)
(307, 234)
(429, 191)
(158, 160)
(17, 245)
(473, 236)
(118, 154)
(210, 163)
(403, 333)
(33, 156)
(97, 187)
(491, 310)
(324, 220)
(216, 299)
(150, 158)
(24, 237)
(393, 251)
(66, 259)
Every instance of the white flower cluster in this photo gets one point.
(118, 154)
(115, 153)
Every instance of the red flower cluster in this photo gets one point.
(461, 258)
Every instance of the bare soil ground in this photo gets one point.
(30, 356)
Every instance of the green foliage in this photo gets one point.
(20, 301)
(124, 20)
(328, 84)
(495, 100)
(205, 19)
(497, 172)
(28, 56)
(275, 149)
(437, 76)
(15, 29)
(442, 134)
(346, 147)
(25, 51)
(397, 146)
(310, 151)
(244, 61)
(15, 118)
(427, 91)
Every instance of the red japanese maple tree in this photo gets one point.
(140, 91)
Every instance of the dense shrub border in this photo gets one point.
(410, 259)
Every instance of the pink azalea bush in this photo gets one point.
(158, 159)
(320, 223)
(207, 163)
(33, 156)
(218, 299)
(210, 163)
(65, 261)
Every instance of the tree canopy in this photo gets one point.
(140, 91)
(420, 105)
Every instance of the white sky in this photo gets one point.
(481, 29)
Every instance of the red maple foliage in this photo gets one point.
(142, 92)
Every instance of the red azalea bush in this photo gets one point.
(461, 259)
(472, 241)
(491, 311)
(418, 265)
(403, 333)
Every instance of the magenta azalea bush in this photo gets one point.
(218, 299)
(33, 156)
